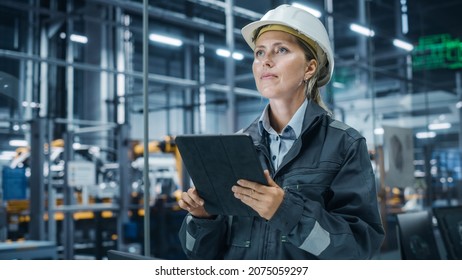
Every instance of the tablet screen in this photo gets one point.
(215, 163)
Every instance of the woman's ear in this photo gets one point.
(310, 69)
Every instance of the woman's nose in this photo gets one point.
(268, 61)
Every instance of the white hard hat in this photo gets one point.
(302, 22)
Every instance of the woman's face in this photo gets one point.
(280, 66)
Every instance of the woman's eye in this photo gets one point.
(282, 50)
(259, 53)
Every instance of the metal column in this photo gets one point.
(202, 89)
(123, 132)
(230, 70)
(70, 68)
(68, 222)
(147, 196)
(329, 7)
(43, 73)
(459, 94)
(37, 187)
(188, 112)
(91, 100)
(363, 76)
(27, 83)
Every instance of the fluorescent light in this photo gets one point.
(436, 126)
(78, 38)
(6, 157)
(18, 143)
(379, 131)
(238, 56)
(459, 105)
(338, 85)
(362, 30)
(312, 11)
(405, 24)
(8, 154)
(30, 104)
(404, 45)
(165, 40)
(222, 52)
(225, 53)
(423, 135)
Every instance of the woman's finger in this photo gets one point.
(194, 196)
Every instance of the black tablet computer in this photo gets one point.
(215, 163)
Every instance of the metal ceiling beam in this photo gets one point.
(187, 83)
(169, 16)
(237, 11)
(89, 67)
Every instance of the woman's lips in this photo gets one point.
(267, 76)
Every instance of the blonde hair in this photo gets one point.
(312, 91)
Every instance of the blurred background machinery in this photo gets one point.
(82, 191)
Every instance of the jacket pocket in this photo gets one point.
(319, 193)
(311, 184)
(308, 176)
(241, 230)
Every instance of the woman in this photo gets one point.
(320, 201)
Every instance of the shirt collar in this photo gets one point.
(297, 119)
(263, 122)
(293, 128)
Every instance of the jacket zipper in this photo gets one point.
(263, 242)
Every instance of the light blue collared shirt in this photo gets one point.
(280, 144)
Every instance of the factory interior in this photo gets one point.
(85, 121)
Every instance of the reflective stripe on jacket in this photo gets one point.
(329, 210)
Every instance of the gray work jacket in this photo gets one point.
(329, 210)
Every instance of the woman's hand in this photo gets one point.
(193, 203)
(265, 200)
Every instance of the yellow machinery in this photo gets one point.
(166, 146)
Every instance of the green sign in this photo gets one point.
(437, 52)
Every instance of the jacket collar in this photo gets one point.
(312, 113)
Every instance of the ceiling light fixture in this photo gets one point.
(437, 126)
(403, 45)
(78, 38)
(18, 143)
(362, 30)
(7, 155)
(404, 17)
(379, 131)
(338, 85)
(225, 53)
(423, 135)
(165, 40)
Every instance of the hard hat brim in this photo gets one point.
(249, 30)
